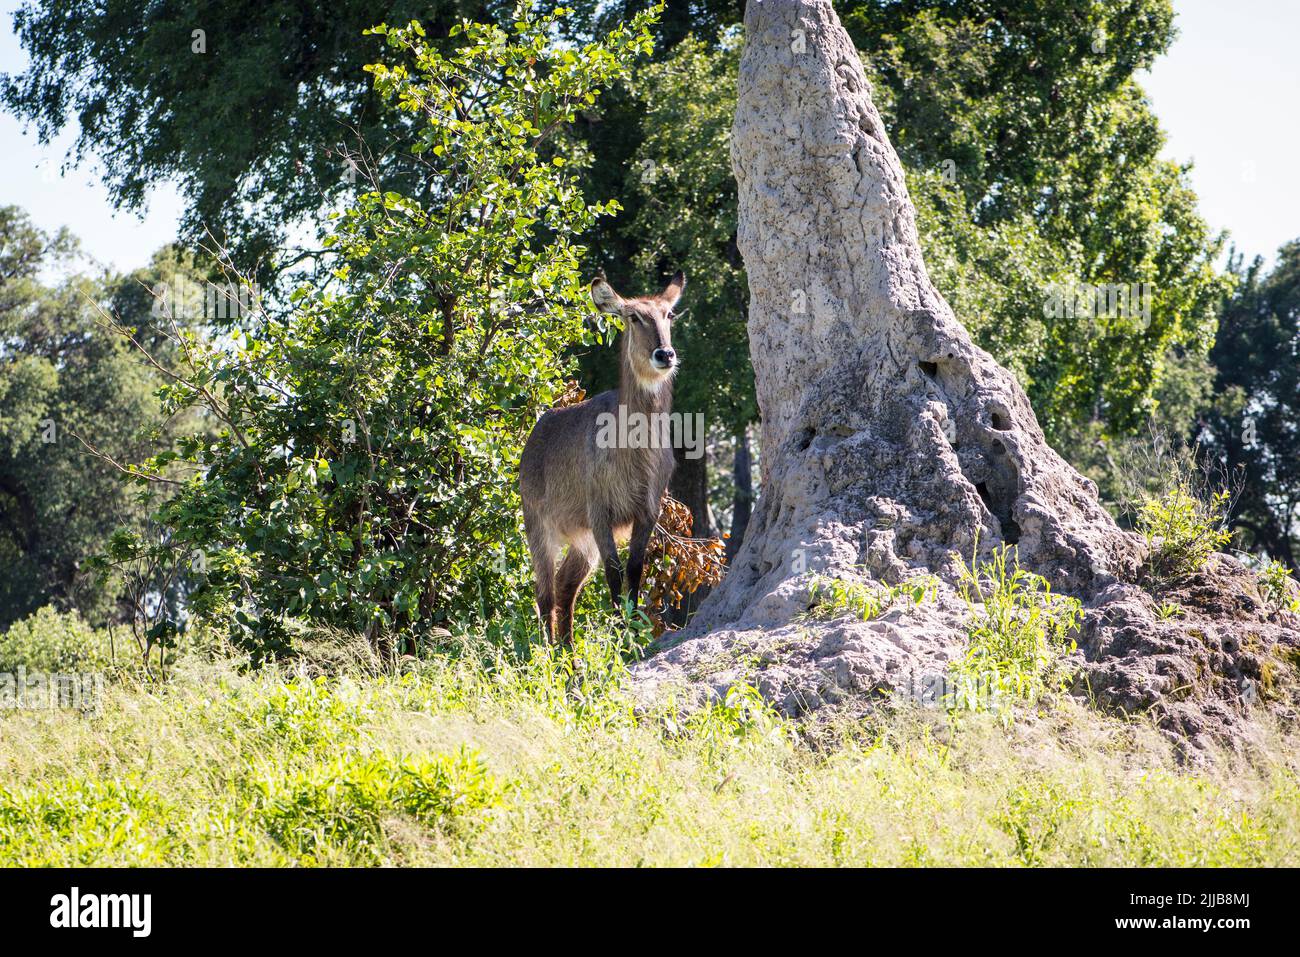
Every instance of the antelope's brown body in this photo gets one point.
(587, 494)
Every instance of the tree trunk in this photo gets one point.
(690, 486)
(891, 443)
(742, 499)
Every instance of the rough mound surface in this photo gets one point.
(892, 442)
(1220, 657)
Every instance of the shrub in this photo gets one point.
(832, 597)
(1183, 529)
(1276, 585)
(51, 641)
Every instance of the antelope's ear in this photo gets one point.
(604, 296)
(673, 291)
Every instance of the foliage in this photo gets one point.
(477, 756)
(680, 186)
(56, 642)
(1183, 529)
(677, 564)
(1019, 634)
(295, 67)
(1277, 586)
(832, 597)
(741, 714)
(1035, 165)
(69, 388)
(1252, 424)
(363, 473)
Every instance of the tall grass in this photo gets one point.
(476, 755)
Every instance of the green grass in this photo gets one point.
(1019, 634)
(479, 757)
(832, 597)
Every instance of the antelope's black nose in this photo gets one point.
(663, 358)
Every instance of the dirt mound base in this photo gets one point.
(1214, 658)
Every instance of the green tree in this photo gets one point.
(257, 109)
(261, 111)
(363, 473)
(1252, 428)
(67, 384)
(1028, 113)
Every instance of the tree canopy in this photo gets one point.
(1252, 427)
(70, 385)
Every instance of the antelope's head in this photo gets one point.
(647, 328)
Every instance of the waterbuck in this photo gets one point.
(586, 489)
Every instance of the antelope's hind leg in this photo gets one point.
(544, 550)
(575, 568)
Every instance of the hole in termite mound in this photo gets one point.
(1000, 421)
(931, 369)
(1000, 506)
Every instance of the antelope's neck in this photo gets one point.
(638, 395)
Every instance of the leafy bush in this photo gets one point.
(364, 474)
(51, 641)
(1183, 529)
(1276, 584)
(1019, 635)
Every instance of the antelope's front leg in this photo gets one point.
(604, 536)
(641, 530)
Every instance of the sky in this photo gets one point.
(77, 200)
(1227, 95)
